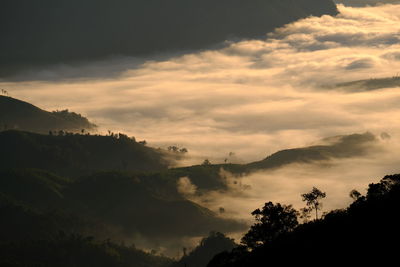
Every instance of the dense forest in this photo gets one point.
(48, 219)
(80, 199)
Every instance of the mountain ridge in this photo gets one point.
(18, 114)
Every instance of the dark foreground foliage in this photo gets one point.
(215, 243)
(36, 203)
(367, 231)
(75, 250)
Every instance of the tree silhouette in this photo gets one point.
(354, 194)
(206, 162)
(173, 148)
(4, 92)
(183, 150)
(271, 221)
(144, 142)
(176, 149)
(313, 198)
(362, 233)
(305, 214)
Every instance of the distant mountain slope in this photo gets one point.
(212, 177)
(345, 146)
(35, 188)
(48, 32)
(78, 251)
(99, 204)
(76, 154)
(136, 206)
(369, 84)
(30, 237)
(214, 244)
(17, 114)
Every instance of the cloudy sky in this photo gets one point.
(251, 97)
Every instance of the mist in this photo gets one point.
(336, 177)
(253, 98)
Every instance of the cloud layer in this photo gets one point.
(337, 177)
(252, 97)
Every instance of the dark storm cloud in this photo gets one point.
(64, 31)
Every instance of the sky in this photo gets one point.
(253, 98)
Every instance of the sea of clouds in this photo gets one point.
(252, 97)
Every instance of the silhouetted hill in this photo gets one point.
(106, 201)
(345, 146)
(217, 176)
(210, 246)
(36, 188)
(48, 32)
(364, 233)
(76, 154)
(33, 206)
(17, 114)
(66, 250)
(22, 221)
(137, 206)
(370, 84)
(205, 177)
(121, 205)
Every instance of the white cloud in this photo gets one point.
(252, 97)
(285, 185)
(246, 97)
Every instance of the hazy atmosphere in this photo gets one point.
(252, 98)
(308, 84)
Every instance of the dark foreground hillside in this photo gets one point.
(56, 190)
(366, 232)
(76, 250)
(49, 32)
(36, 204)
